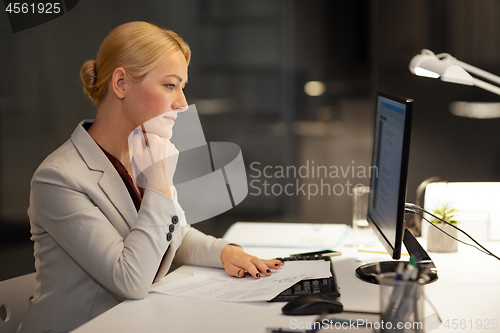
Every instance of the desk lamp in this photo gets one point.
(450, 69)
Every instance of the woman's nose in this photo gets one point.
(180, 103)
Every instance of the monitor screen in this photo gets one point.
(386, 206)
(391, 148)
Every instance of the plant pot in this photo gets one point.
(438, 241)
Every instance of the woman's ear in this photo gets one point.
(118, 82)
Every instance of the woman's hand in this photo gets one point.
(237, 262)
(155, 158)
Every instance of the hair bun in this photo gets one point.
(88, 74)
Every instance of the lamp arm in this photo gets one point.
(486, 86)
(453, 77)
(477, 71)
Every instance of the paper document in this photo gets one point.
(296, 235)
(215, 284)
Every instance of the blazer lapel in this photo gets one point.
(118, 194)
(110, 182)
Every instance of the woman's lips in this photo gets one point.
(170, 118)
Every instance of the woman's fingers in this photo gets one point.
(257, 267)
(156, 159)
(161, 148)
(237, 262)
(233, 270)
(262, 266)
(139, 153)
(274, 264)
(164, 152)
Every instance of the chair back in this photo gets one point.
(14, 299)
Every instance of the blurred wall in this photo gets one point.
(453, 148)
(251, 59)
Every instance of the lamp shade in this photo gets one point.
(429, 65)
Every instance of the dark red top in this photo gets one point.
(132, 190)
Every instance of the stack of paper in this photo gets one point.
(215, 284)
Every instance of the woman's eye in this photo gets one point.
(170, 86)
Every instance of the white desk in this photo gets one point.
(467, 293)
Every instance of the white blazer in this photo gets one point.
(92, 248)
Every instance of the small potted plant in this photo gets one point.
(438, 241)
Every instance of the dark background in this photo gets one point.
(250, 62)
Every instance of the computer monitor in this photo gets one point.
(386, 206)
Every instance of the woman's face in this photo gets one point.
(159, 96)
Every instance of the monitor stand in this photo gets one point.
(369, 272)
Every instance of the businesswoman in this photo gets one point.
(99, 238)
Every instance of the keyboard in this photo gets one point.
(325, 286)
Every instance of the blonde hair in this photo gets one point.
(137, 47)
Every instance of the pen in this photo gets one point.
(408, 293)
(399, 271)
(410, 304)
(280, 330)
(395, 299)
(400, 291)
(322, 252)
(379, 252)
